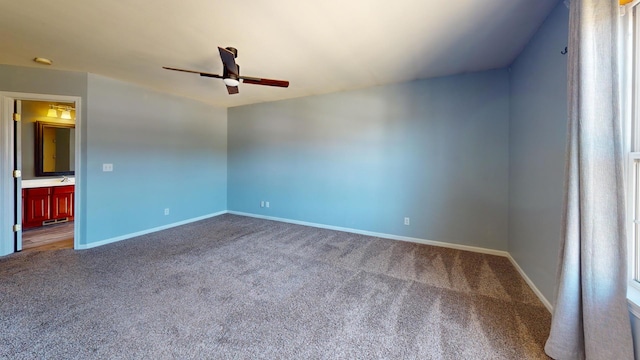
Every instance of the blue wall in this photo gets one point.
(537, 138)
(167, 152)
(433, 150)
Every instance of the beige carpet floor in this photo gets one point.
(233, 287)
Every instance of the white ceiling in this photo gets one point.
(319, 46)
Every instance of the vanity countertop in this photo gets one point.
(36, 183)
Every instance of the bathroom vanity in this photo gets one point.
(47, 201)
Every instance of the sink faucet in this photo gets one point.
(64, 178)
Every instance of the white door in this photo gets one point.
(17, 178)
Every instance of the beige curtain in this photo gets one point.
(590, 318)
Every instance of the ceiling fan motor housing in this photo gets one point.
(233, 50)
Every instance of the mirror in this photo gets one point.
(55, 149)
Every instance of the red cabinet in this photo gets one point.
(36, 207)
(47, 205)
(62, 202)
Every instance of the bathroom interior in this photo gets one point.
(48, 174)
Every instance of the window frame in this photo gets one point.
(629, 46)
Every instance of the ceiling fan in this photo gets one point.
(231, 73)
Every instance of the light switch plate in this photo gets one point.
(107, 167)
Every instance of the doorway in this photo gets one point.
(47, 145)
(41, 201)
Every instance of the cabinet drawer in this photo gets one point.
(38, 191)
(63, 189)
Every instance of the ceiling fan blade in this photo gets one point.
(232, 90)
(229, 60)
(194, 72)
(267, 82)
(211, 75)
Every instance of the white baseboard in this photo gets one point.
(148, 231)
(533, 287)
(380, 235)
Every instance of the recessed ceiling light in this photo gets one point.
(43, 61)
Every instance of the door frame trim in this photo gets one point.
(6, 168)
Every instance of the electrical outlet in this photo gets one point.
(407, 221)
(261, 203)
(107, 167)
(266, 204)
(166, 211)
